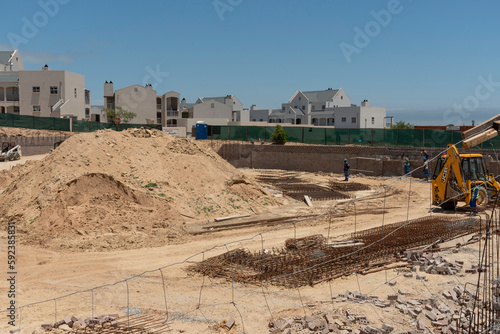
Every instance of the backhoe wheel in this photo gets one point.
(482, 199)
(448, 205)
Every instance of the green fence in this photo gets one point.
(34, 122)
(62, 124)
(85, 126)
(331, 136)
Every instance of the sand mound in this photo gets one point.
(131, 185)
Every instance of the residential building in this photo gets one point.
(238, 113)
(45, 92)
(149, 107)
(330, 107)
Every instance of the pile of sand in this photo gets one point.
(130, 189)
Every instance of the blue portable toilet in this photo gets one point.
(201, 130)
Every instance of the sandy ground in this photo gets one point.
(196, 304)
(9, 164)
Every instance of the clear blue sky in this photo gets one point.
(420, 60)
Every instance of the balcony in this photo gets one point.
(172, 113)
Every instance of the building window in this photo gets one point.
(373, 120)
(212, 105)
(299, 98)
(253, 119)
(283, 108)
(295, 107)
(313, 107)
(75, 93)
(53, 90)
(341, 97)
(303, 107)
(16, 110)
(323, 107)
(110, 105)
(36, 89)
(135, 89)
(36, 108)
(353, 120)
(344, 120)
(87, 112)
(261, 120)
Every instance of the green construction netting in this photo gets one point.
(84, 126)
(34, 122)
(294, 134)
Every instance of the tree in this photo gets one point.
(402, 125)
(124, 115)
(279, 135)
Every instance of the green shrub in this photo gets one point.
(279, 135)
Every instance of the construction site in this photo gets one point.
(140, 232)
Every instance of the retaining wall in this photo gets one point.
(374, 161)
(34, 145)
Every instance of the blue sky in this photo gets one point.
(427, 62)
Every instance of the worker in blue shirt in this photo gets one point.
(473, 198)
(346, 170)
(406, 166)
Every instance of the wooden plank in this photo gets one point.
(479, 138)
(308, 200)
(230, 217)
(480, 127)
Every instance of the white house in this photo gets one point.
(45, 92)
(330, 107)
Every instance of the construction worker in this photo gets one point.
(473, 198)
(426, 169)
(406, 166)
(346, 170)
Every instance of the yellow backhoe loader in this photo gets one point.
(454, 172)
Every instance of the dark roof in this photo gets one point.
(321, 95)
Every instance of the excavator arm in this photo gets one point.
(450, 173)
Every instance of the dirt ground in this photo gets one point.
(85, 218)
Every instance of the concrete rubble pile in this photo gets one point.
(423, 315)
(80, 325)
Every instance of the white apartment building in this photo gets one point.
(45, 92)
(149, 107)
(330, 107)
